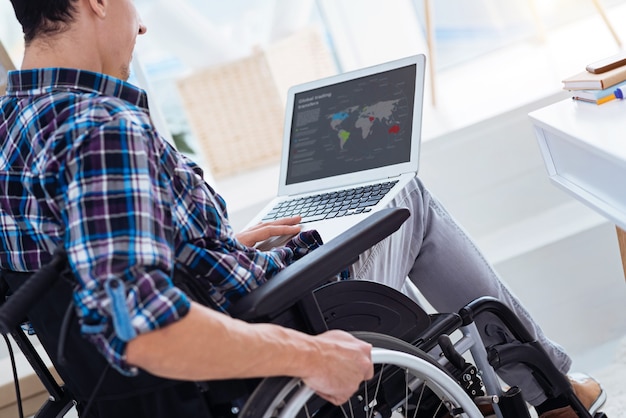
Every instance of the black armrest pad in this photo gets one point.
(313, 270)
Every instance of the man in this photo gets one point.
(207, 345)
(83, 166)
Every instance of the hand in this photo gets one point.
(345, 362)
(265, 230)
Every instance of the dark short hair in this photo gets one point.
(43, 17)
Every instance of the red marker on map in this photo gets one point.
(394, 129)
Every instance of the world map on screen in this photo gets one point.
(360, 120)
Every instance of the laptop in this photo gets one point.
(351, 142)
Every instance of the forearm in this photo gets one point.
(207, 345)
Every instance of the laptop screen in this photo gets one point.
(355, 125)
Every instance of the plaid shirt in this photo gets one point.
(82, 166)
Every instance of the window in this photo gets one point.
(482, 47)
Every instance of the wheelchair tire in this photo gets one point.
(407, 383)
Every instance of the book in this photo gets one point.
(597, 96)
(590, 81)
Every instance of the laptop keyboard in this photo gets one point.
(333, 204)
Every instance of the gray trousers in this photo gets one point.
(436, 254)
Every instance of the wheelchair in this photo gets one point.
(426, 365)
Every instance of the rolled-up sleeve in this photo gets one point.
(119, 236)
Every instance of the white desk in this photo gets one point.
(584, 150)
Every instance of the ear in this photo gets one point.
(99, 7)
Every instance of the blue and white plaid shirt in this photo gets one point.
(82, 166)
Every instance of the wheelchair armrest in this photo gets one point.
(316, 268)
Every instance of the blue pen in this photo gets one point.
(619, 93)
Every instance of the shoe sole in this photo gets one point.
(597, 404)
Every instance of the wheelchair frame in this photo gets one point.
(302, 297)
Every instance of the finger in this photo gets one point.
(275, 231)
(252, 236)
(332, 399)
(292, 220)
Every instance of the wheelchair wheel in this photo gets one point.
(407, 383)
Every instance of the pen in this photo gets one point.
(609, 98)
(618, 93)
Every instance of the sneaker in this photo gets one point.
(588, 390)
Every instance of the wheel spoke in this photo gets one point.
(406, 392)
(438, 408)
(367, 399)
(383, 393)
(351, 408)
(343, 411)
(371, 407)
(419, 400)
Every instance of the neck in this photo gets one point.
(72, 48)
